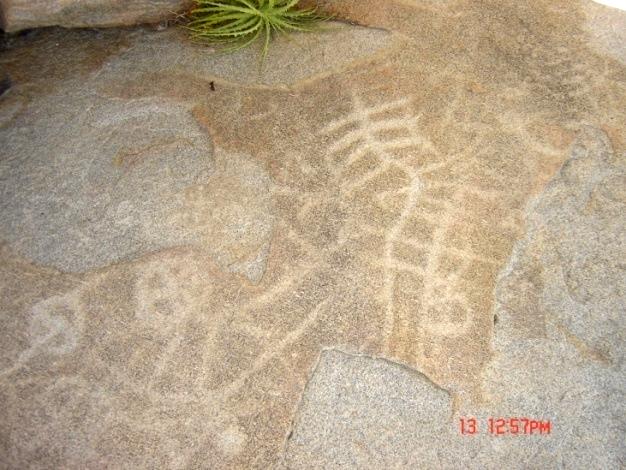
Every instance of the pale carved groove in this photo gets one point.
(405, 150)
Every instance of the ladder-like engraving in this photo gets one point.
(390, 137)
(383, 133)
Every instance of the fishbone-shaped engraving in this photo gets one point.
(54, 330)
(364, 135)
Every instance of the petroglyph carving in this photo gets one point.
(381, 153)
(449, 312)
(389, 138)
(368, 207)
(373, 137)
(53, 325)
(54, 329)
(275, 349)
(160, 297)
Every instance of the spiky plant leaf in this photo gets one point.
(235, 24)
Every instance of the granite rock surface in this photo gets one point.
(412, 218)
(558, 354)
(16, 15)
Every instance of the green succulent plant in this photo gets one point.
(235, 24)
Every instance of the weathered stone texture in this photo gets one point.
(359, 412)
(24, 14)
(559, 353)
(183, 233)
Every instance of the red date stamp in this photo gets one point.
(505, 426)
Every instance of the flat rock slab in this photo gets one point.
(559, 347)
(438, 193)
(560, 332)
(294, 59)
(359, 412)
(17, 15)
(95, 179)
(98, 178)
